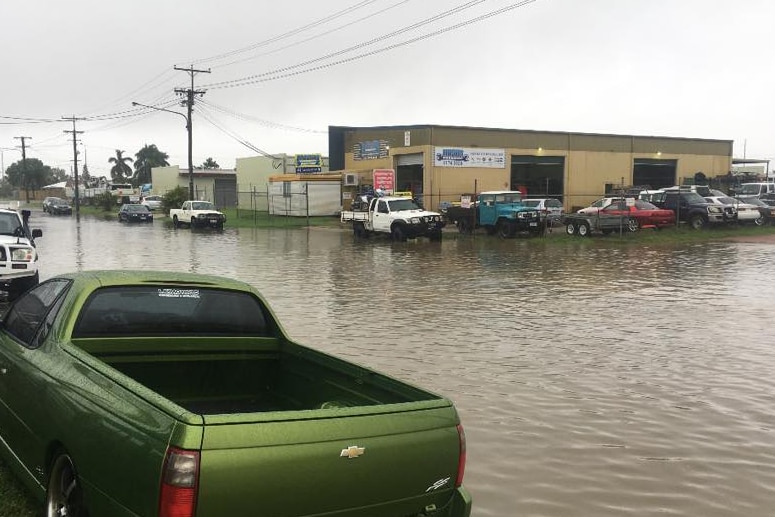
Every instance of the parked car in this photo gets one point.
(551, 209)
(599, 204)
(48, 201)
(643, 213)
(59, 206)
(746, 213)
(152, 202)
(767, 210)
(131, 213)
(759, 189)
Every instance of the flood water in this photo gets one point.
(592, 379)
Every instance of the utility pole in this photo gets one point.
(25, 179)
(75, 161)
(189, 95)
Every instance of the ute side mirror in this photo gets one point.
(37, 232)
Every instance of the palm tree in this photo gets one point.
(146, 159)
(120, 170)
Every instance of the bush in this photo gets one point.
(105, 201)
(174, 198)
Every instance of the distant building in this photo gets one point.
(254, 173)
(216, 185)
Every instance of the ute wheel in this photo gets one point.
(506, 230)
(490, 230)
(359, 230)
(632, 224)
(697, 222)
(192, 223)
(759, 221)
(64, 497)
(463, 226)
(175, 222)
(435, 236)
(584, 230)
(398, 234)
(570, 229)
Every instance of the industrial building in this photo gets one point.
(439, 163)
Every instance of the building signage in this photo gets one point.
(309, 163)
(370, 150)
(470, 157)
(385, 180)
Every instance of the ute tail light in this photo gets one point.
(179, 483)
(461, 462)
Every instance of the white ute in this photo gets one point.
(18, 256)
(399, 217)
(197, 214)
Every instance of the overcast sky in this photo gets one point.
(282, 72)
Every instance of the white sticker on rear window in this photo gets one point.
(179, 293)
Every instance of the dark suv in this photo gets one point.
(692, 208)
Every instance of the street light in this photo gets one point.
(190, 158)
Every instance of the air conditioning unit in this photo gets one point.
(351, 180)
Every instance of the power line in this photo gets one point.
(293, 32)
(432, 19)
(277, 74)
(316, 36)
(209, 118)
(265, 123)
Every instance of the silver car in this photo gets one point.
(152, 202)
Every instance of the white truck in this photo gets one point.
(197, 214)
(399, 217)
(18, 256)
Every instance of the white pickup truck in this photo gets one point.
(18, 256)
(399, 217)
(197, 214)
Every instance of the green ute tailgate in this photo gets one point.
(331, 463)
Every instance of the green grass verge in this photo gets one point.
(14, 499)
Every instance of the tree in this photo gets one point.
(85, 176)
(210, 164)
(30, 176)
(58, 175)
(146, 159)
(120, 170)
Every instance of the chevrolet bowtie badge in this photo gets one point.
(353, 451)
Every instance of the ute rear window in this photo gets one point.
(170, 311)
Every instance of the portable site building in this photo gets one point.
(305, 195)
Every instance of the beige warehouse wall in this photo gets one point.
(585, 176)
(711, 166)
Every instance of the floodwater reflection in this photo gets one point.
(591, 380)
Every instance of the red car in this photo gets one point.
(642, 214)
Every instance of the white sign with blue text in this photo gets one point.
(470, 157)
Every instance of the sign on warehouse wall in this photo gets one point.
(307, 163)
(470, 157)
(385, 180)
(370, 150)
